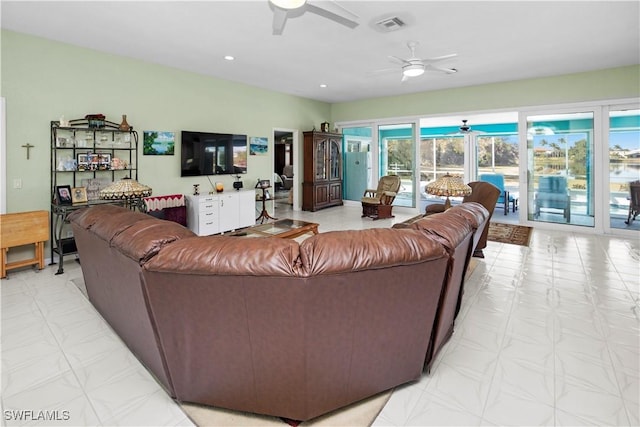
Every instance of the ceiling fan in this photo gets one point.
(414, 66)
(284, 9)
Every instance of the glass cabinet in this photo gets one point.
(322, 186)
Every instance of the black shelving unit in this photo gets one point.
(83, 150)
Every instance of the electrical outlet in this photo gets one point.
(69, 233)
(17, 183)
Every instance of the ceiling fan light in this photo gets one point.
(288, 4)
(413, 70)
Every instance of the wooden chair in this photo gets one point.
(505, 198)
(377, 204)
(634, 201)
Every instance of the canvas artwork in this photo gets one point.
(158, 143)
(258, 146)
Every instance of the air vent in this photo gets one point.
(390, 24)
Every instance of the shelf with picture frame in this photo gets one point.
(86, 156)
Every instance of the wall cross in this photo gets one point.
(28, 147)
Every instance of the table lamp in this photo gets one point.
(125, 189)
(448, 185)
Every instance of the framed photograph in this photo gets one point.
(104, 161)
(83, 161)
(63, 195)
(158, 143)
(93, 160)
(79, 195)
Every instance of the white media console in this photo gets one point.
(217, 213)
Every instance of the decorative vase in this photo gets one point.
(124, 125)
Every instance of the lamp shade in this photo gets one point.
(125, 189)
(448, 185)
(413, 70)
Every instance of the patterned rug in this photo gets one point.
(509, 233)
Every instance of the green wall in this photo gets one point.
(616, 83)
(43, 80)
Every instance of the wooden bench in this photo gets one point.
(19, 229)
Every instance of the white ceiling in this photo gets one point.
(495, 41)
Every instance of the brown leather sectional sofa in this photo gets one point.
(273, 326)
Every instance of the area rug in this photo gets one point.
(509, 233)
(362, 413)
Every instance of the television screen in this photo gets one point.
(205, 153)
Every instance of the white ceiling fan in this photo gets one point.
(284, 9)
(414, 66)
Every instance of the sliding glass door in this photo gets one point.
(397, 156)
(560, 175)
(623, 164)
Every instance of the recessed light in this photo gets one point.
(323, 85)
(229, 58)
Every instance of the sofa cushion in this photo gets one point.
(474, 212)
(342, 251)
(87, 217)
(143, 239)
(450, 229)
(228, 255)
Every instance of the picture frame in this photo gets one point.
(158, 143)
(63, 195)
(258, 146)
(83, 161)
(79, 195)
(104, 161)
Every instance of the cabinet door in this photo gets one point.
(335, 192)
(320, 159)
(335, 159)
(228, 212)
(322, 195)
(247, 207)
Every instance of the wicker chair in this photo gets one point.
(377, 204)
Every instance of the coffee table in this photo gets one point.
(283, 228)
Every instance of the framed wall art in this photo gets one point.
(258, 146)
(158, 143)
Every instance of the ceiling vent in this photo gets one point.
(390, 24)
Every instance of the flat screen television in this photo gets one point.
(206, 153)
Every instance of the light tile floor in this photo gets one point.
(547, 335)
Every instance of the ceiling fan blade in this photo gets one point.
(440, 58)
(399, 61)
(444, 70)
(339, 14)
(279, 19)
(383, 70)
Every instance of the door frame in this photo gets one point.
(297, 160)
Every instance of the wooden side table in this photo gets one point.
(19, 229)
